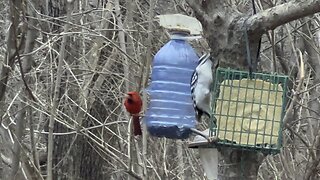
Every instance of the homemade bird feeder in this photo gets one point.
(170, 112)
(248, 110)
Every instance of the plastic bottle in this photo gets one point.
(170, 112)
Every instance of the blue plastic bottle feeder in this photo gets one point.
(170, 113)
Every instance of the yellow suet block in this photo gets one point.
(249, 111)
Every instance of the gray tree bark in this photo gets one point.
(224, 26)
(26, 64)
(6, 67)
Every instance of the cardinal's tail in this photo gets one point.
(136, 126)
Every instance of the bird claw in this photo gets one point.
(208, 138)
(212, 139)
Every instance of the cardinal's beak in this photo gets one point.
(125, 96)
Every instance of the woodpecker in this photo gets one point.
(201, 85)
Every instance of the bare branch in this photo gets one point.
(273, 17)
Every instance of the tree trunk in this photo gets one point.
(6, 67)
(74, 156)
(225, 29)
(25, 66)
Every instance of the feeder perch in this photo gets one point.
(249, 110)
(209, 156)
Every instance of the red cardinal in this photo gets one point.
(133, 104)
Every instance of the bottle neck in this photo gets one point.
(182, 35)
(179, 34)
(178, 37)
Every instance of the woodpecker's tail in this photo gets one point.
(136, 125)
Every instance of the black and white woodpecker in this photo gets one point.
(201, 85)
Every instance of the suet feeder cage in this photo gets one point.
(248, 110)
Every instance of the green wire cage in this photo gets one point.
(248, 110)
